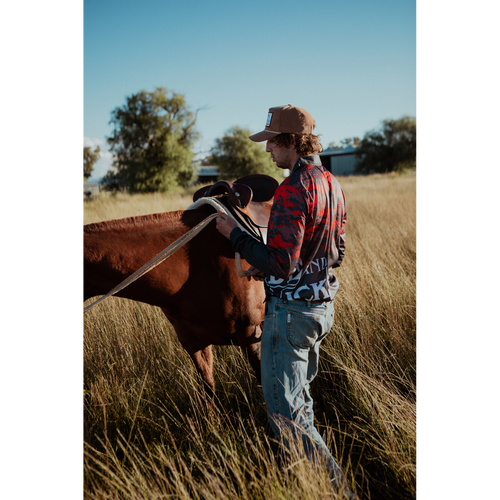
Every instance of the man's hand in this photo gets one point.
(225, 224)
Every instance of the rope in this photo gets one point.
(247, 223)
(239, 269)
(156, 260)
(214, 202)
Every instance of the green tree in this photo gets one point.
(89, 159)
(152, 142)
(334, 145)
(354, 141)
(236, 155)
(392, 148)
(345, 142)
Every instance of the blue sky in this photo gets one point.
(351, 64)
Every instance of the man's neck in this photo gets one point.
(312, 158)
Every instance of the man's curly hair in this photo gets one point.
(304, 144)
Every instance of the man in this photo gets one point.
(306, 239)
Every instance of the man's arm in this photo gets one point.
(284, 237)
(252, 250)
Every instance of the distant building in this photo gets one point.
(208, 174)
(90, 188)
(340, 161)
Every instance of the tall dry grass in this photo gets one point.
(149, 435)
(106, 206)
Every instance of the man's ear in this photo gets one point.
(293, 141)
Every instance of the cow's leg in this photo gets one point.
(200, 353)
(250, 345)
(203, 361)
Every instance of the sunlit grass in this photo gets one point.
(106, 206)
(149, 434)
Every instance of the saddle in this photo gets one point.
(249, 199)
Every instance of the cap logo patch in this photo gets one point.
(269, 116)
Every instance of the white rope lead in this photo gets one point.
(157, 259)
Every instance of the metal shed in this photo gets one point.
(90, 188)
(208, 174)
(340, 161)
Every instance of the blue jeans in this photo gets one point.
(293, 331)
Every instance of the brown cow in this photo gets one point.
(197, 287)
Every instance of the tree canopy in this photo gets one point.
(344, 143)
(152, 142)
(236, 155)
(89, 159)
(393, 147)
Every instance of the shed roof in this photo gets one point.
(345, 151)
(208, 170)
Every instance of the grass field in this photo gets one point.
(149, 436)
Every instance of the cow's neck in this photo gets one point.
(117, 248)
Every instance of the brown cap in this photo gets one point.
(285, 120)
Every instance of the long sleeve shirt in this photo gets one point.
(306, 235)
